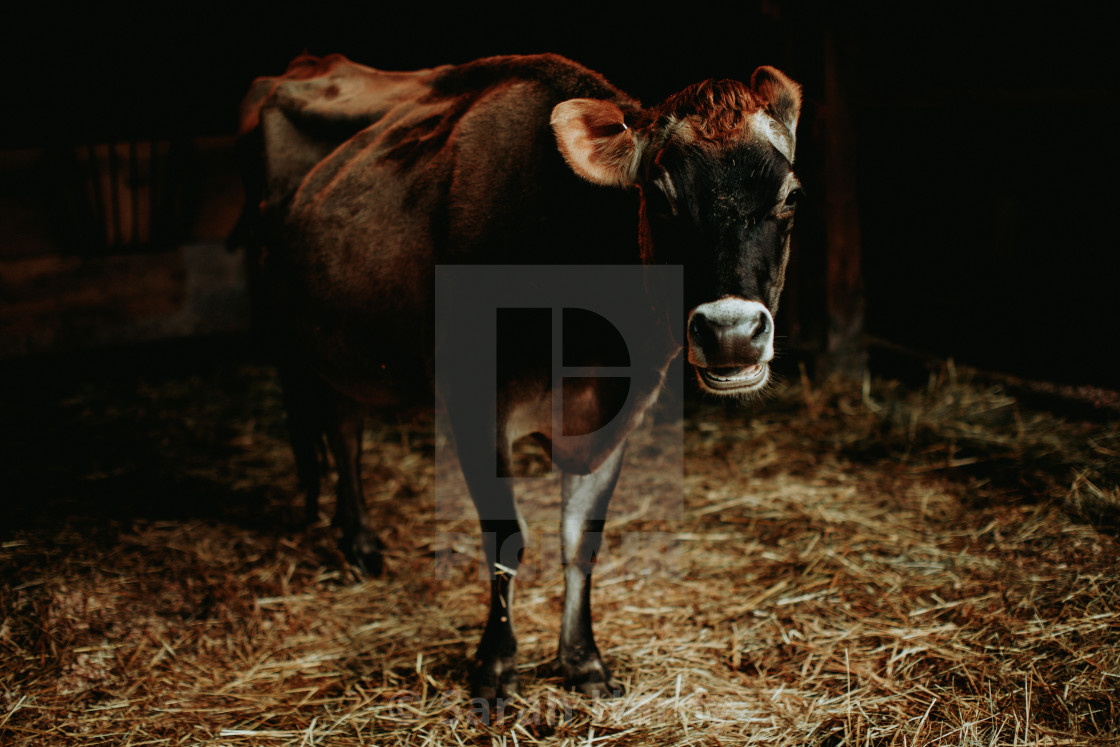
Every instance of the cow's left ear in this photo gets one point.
(595, 141)
(782, 96)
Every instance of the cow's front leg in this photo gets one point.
(495, 671)
(584, 514)
(494, 674)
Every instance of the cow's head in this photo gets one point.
(714, 164)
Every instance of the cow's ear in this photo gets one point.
(782, 96)
(595, 141)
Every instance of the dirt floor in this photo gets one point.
(844, 563)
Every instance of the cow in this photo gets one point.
(362, 182)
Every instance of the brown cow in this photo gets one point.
(367, 180)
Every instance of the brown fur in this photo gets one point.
(713, 109)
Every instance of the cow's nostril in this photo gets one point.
(760, 338)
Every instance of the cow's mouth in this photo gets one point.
(733, 379)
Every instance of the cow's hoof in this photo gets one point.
(363, 551)
(591, 678)
(597, 688)
(496, 682)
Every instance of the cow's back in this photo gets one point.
(371, 178)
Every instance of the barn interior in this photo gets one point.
(911, 541)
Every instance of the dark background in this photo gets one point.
(984, 134)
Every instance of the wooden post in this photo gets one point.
(846, 351)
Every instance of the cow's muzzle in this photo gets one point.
(731, 342)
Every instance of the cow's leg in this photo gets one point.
(344, 438)
(494, 674)
(304, 404)
(584, 514)
(305, 446)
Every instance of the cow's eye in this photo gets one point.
(793, 198)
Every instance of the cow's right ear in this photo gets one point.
(593, 137)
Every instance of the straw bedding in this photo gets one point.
(846, 563)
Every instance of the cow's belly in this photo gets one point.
(368, 366)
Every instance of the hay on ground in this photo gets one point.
(847, 563)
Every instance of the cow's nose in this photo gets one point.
(730, 332)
